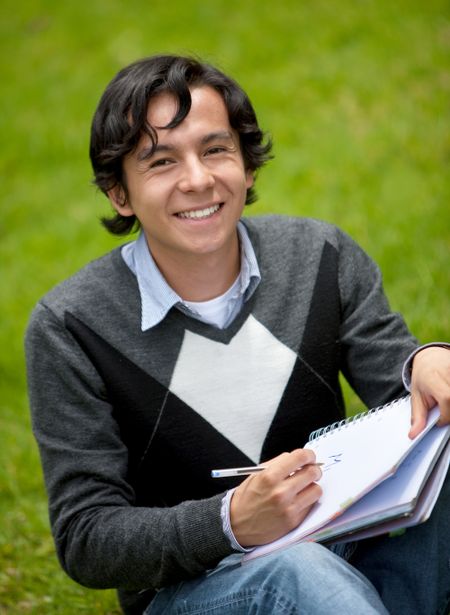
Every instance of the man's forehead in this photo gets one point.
(161, 109)
(205, 102)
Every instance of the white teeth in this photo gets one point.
(199, 213)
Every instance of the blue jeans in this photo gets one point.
(407, 574)
(305, 578)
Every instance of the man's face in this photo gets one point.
(189, 195)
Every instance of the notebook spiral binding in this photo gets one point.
(344, 423)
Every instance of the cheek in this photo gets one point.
(146, 195)
(239, 179)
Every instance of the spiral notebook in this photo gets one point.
(359, 454)
(421, 511)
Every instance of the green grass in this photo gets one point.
(355, 94)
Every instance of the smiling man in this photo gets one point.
(188, 192)
(216, 340)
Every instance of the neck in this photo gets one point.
(201, 277)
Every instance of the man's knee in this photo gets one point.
(299, 559)
(304, 566)
(317, 579)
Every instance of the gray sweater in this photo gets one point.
(130, 423)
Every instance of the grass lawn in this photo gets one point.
(355, 95)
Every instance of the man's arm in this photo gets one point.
(102, 539)
(375, 341)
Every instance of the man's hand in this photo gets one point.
(270, 503)
(430, 385)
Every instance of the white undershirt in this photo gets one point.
(217, 311)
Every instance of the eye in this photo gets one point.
(160, 162)
(217, 149)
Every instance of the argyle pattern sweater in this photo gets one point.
(130, 423)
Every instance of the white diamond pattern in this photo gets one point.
(236, 387)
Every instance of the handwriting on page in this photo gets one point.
(331, 461)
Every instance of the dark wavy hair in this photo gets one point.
(121, 119)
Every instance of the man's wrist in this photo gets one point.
(226, 523)
(407, 366)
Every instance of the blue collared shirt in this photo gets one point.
(157, 297)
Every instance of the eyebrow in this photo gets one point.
(148, 152)
(213, 136)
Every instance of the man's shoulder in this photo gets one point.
(291, 233)
(276, 225)
(90, 286)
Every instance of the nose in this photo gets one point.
(196, 176)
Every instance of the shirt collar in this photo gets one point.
(157, 297)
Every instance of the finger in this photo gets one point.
(309, 496)
(304, 502)
(286, 464)
(304, 477)
(444, 408)
(441, 396)
(419, 412)
(297, 482)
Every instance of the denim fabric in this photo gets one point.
(306, 578)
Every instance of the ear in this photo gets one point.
(249, 179)
(119, 201)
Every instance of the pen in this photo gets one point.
(245, 471)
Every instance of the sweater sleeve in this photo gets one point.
(103, 539)
(375, 341)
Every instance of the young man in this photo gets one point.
(215, 341)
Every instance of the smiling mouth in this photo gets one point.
(199, 214)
